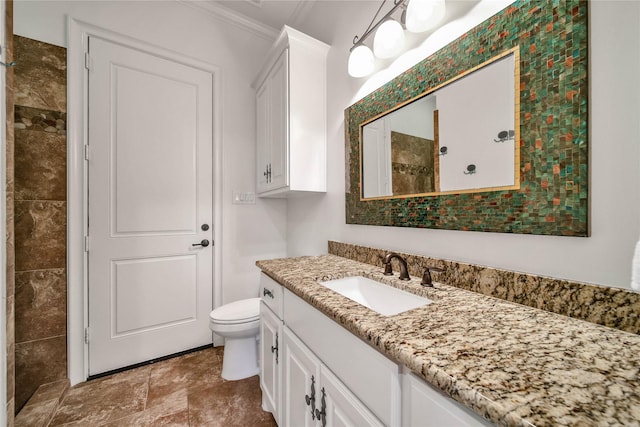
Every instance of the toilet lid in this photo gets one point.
(237, 312)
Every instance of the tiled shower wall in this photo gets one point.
(40, 216)
(10, 273)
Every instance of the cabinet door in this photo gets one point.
(262, 135)
(343, 409)
(270, 372)
(279, 125)
(300, 383)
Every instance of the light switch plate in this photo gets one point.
(244, 198)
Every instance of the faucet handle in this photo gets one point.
(426, 277)
(388, 271)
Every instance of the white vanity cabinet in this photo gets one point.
(424, 406)
(314, 396)
(362, 371)
(271, 338)
(291, 117)
(315, 373)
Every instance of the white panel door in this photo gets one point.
(150, 194)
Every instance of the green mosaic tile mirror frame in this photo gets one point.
(553, 194)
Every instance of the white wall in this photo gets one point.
(249, 232)
(604, 258)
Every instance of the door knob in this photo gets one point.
(204, 243)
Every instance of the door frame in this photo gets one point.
(77, 182)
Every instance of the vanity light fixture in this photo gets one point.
(417, 16)
(423, 15)
(389, 39)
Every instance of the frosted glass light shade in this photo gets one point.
(423, 15)
(361, 61)
(389, 39)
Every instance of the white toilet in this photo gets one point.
(239, 323)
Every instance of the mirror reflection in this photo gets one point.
(458, 137)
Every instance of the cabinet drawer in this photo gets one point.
(271, 293)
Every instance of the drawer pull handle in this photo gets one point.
(322, 413)
(311, 400)
(267, 292)
(275, 349)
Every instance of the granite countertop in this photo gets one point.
(512, 364)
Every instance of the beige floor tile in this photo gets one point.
(174, 411)
(229, 404)
(194, 370)
(185, 391)
(102, 400)
(36, 415)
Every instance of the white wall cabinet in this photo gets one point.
(272, 110)
(291, 117)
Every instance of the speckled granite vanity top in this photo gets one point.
(512, 364)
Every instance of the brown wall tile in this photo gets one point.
(40, 214)
(40, 228)
(10, 242)
(9, 97)
(41, 165)
(39, 362)
(11, 348)
(11, 410)
(41, 304)
(42, 79)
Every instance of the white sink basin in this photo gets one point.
(380, 298)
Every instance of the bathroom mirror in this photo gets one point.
(457, 137)
(546, 188)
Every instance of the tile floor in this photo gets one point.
(184, 391)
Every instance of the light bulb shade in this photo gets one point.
(389, 39)
(423, 15)
(361, 61)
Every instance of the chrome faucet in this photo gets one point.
(404, 274)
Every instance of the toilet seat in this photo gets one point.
(243, 311)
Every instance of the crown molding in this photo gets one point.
(301, 11)
(223, 14)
